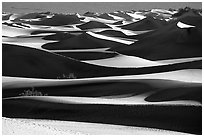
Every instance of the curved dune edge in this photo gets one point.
(125, 61)
(128, 42)
(188, 75)
(132, 100)
(13, 126)
(180, 118)
(183, 25)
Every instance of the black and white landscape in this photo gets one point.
(122, 72)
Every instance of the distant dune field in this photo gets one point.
(117, 73)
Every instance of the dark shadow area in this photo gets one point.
(186, 119)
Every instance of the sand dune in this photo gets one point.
(183, 118)
(124, 61)
(90, 14)
(33, 42)
(191, 76)
(12, 32)
(116, 17)
(178, 93)
(88, 55)
(182, 25)
(57, 20)
(124, 72)
(122, 15)
(136, 16)
(32, 16)
(58, 36)
(29, 62)
(83, 41)
(180, 60)
(115, 33)
(6, 17)
(13, 126)
(124, 41)
(97, 19)
(92, 24)
(82, 50)
(106, 16)
(170, 44)
(144, 24)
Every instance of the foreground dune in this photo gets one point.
(177, 118)
(18, 126)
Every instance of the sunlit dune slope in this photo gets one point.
(41, 64)
(170, 42)
(83, 41)
(148, 23)
(56, 20)
(177, 118)
(92, 25)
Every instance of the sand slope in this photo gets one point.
(120, 73)
(83, 41)
(170, 44)
(52, 127)
(183, 118)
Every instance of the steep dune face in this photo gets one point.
(87, 55)
(148, 23)
(92, 25)
(83, 41)
(113, 33)
(6, 17)
(122, 15)
(58, 36)
(172, 42)
(31, 16)
(13, 31)
(36, 63)
(41, 64)
(90, 14)
(118, 23)
(56, 20)
(144, 90)
(122, 61)
(178, 118)
(105, 16)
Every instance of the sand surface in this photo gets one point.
(18, 126)
(118, 73)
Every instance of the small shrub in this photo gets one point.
(32, 92)
(69, 76)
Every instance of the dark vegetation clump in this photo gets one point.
(32, 92)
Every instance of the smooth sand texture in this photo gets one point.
(148, 23)
(56, 65)
(119, 73)
(175, 39)
(83, 41)
(178, 118)
(18, 126)
(92, 24)
(191, 76)
(124, 61)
